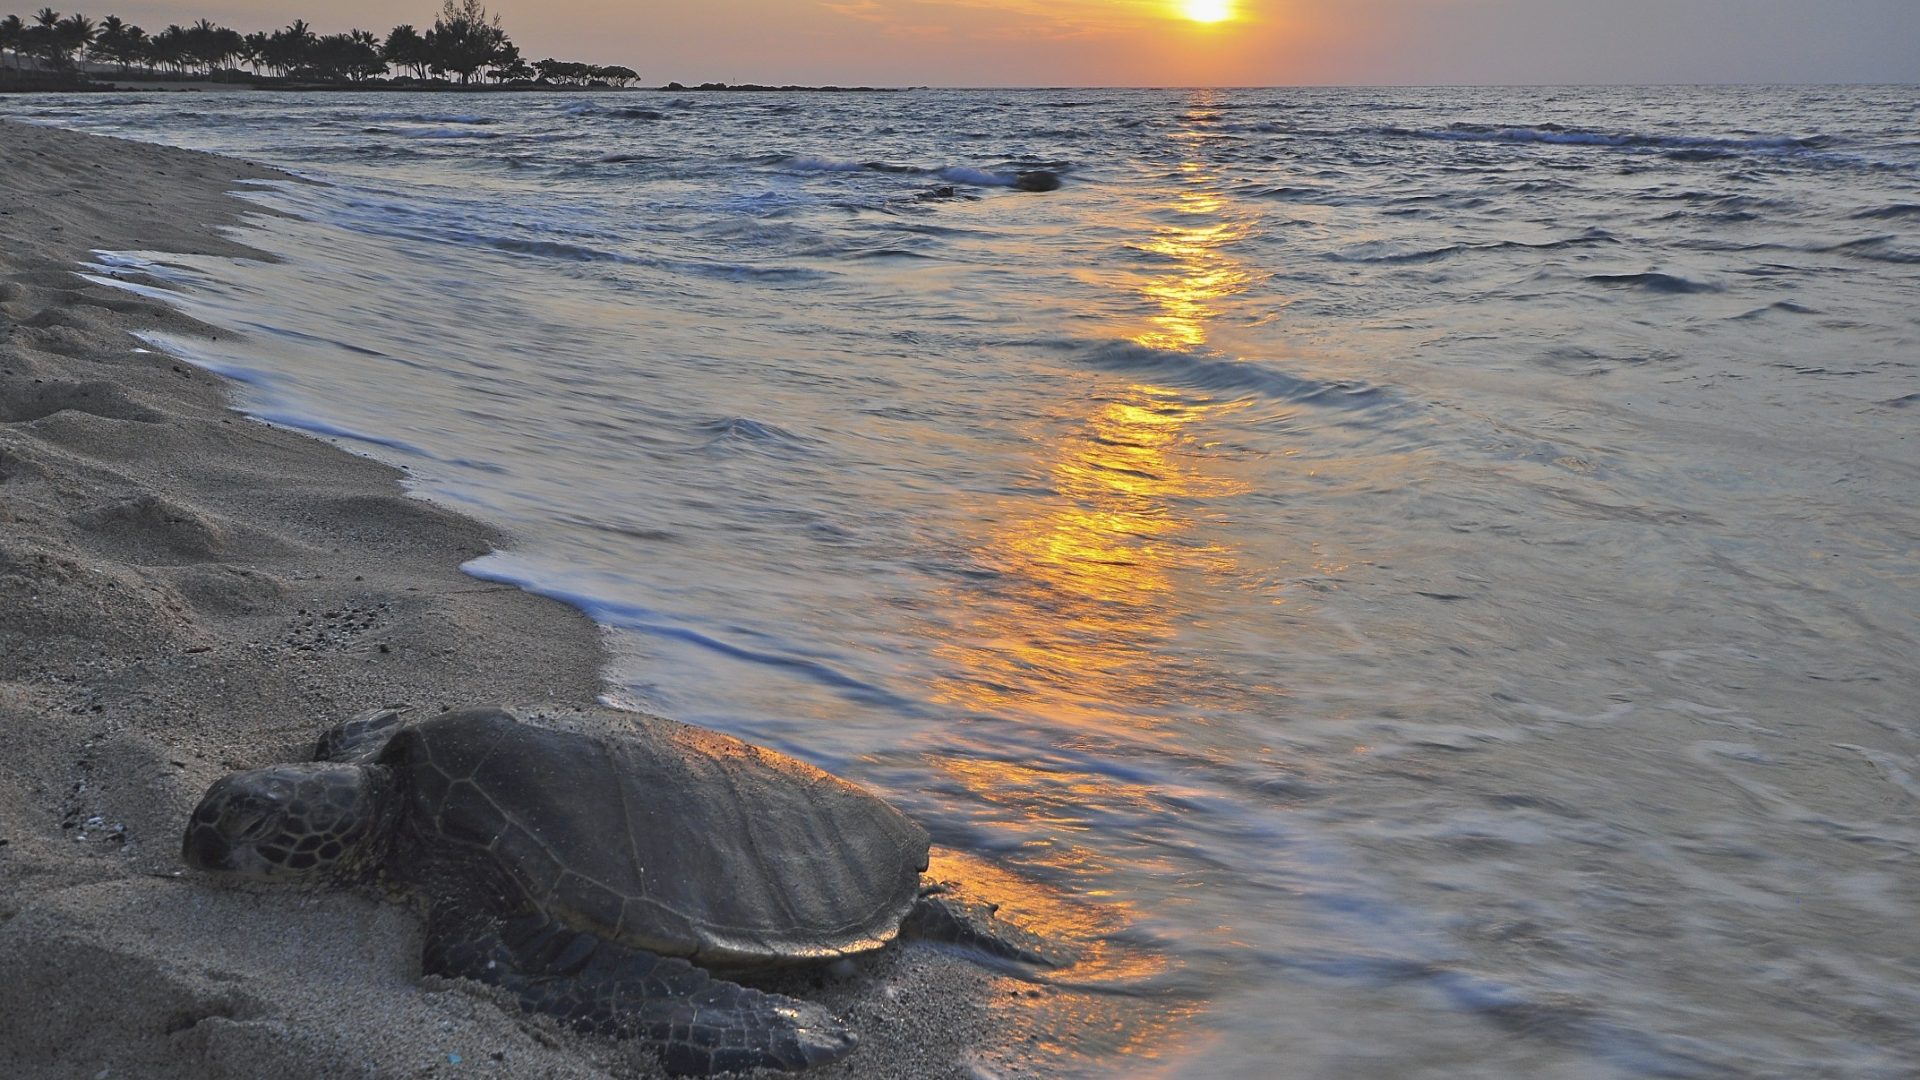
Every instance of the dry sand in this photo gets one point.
(183, 592)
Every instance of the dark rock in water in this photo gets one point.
(1037, 181)
(944, 191)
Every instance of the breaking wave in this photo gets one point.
(1554, 134)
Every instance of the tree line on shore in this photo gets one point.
(465, 42)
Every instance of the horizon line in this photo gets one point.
(1915, 85)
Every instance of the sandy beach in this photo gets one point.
(185, 591)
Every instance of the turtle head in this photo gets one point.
(289, 822)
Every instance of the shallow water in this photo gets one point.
(1427, 576)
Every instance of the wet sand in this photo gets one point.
(185, 591)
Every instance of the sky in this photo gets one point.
(1152, 43)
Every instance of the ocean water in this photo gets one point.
(1415, 583)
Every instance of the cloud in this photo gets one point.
(888, 19)
(870, 10)
(1003, 19)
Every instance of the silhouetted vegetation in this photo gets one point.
(466, 45)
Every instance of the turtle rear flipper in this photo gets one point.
(972, 924)
(698, 1024)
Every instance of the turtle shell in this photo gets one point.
(669, 837)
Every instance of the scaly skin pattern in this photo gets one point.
(698, 1024)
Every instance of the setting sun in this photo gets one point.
(1207, 11)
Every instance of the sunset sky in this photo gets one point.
(1157, 43)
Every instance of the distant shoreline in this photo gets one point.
(13, 83)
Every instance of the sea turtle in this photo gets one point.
(603, 879)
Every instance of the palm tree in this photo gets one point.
(201, 43)
(296, 44)
(169, 48)
(213, 46)
(368, 63)
(232, 45)
(133, 47)
(72, 34)
(106, 43)
(12, 33)
(42, 38)
(253, 50)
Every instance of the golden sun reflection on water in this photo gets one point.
(1088, 588)
(1074, 635)
(1205, 274)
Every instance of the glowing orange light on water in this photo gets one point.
(1093, 582)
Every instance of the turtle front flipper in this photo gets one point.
(358, 741)
(973, 924)
(698, 1024)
